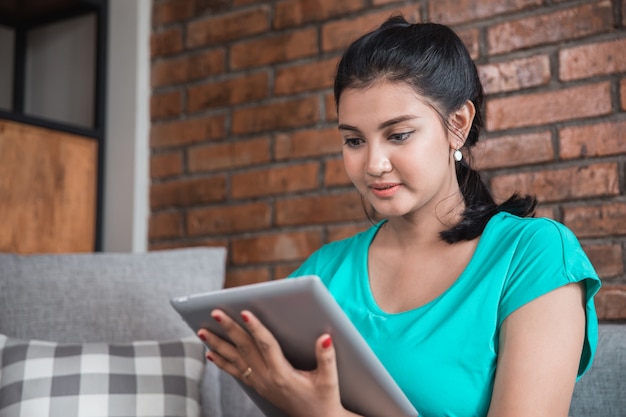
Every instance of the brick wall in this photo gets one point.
(244, 146)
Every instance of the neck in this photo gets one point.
(424, 228)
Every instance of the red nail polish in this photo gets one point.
(326, 343)
(209, 357)
(202, 337)
(245, 317)
(217, 318)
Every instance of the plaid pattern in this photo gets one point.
(140, 379)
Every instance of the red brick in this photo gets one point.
(561, 184)
(165, 225)
(227, 93)
(344, 231)
(183, 193)
(275, 180)
(606, 259)
(187, 68)
(547, 212)
(177, 244)
(160, 245)
(456, 11)
(331, 108)
(285, 269)
(172, 11)
(307, 143)
(562, 25)
(307, 77)
(471, 39)
(596, 220)
(274, 49)
(228, 155)
(165, 105)
(383, 2)
(185, 132)
(237, 3)
(166, 165)
(245, 276)
(330, 208)
(515, 75)
(622, 93)
(590, 60)
(600, 139)
(225, 28)
(338, 34)
(213, 6)
(298, 12)
(335, 173)
(611, 302)
(548, 107)
(278, 115)
(166, 42)
(288, 246)
(228, 219)
(513, 150)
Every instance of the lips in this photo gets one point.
(383, 190)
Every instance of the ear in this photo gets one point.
(460, 122)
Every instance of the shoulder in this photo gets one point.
(538, 244)
(530, 230)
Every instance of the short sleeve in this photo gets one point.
(549, 256)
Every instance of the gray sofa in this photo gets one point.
(115, 299)
(117, 306)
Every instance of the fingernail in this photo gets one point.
(217, 318)
(209, 357)
(202, 337)
(326, 343)
(245, 317)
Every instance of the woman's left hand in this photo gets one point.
(257, 360)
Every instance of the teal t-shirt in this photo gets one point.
(443, 354)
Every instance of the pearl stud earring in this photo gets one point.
(457, 155)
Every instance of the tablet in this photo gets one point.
(297, 311)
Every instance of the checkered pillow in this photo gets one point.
(140, 379)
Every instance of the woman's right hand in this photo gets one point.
(257, 360)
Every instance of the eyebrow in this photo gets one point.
(383, 125)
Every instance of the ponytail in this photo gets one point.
(480, 206)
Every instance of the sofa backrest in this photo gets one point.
(601, 392)
(103, 297)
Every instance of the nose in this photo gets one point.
(378, 162)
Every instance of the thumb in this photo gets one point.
(326, 362)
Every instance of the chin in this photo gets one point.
(387, 212)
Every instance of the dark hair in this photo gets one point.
(433, 60)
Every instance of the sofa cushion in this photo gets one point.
(103, 297)
(143, 379)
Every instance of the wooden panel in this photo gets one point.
(47, 190)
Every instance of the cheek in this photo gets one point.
(353, 165)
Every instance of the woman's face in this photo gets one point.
(396, 150)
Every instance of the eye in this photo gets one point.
(352, 142)
(400, 137)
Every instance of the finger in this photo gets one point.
(224, 364)
(326, 363)
(242, 339)
(265, 341)
(224, 349)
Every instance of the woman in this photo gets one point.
(475, 308)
